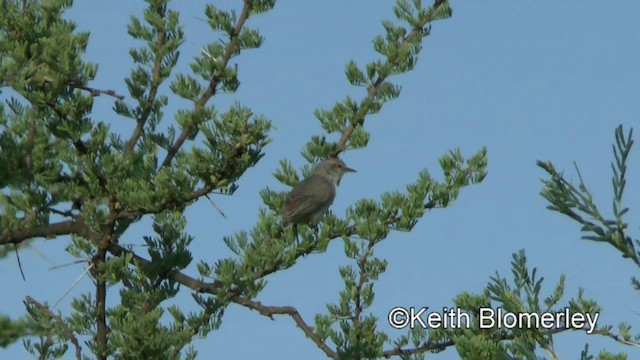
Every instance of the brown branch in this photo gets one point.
(46, 231)
(181, 278)
(359, 120)
(132, 214)
(192, 283)
(153, 91)
(269, 311)
(58, 319)
(28, 160)
(616, 337)
(231, 48)
(75, 84)
(65, 213)
(361, 281)
(277, 265)
(97, 92)
(217, 286)
(78, 227)
(101, 306)
(213, 84)
(99, 259)
(74, 226)
(213, 287)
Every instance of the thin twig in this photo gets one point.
(67, 264)
(97, 92)
(269, 311)
(617, 337)
(215, 206)
(74, 284)
(15, 247)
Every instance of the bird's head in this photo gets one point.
(332, 169)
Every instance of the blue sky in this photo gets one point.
(530, 80)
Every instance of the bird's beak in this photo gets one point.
(348, 169)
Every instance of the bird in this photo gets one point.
(310, 199)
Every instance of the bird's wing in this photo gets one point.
(311, 195)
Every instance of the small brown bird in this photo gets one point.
(310, 199)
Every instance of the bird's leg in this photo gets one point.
(295, 229)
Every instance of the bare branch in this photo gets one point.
(97, 92)
(15, 247)
(269, 311)
(215, 206)
(75, 283)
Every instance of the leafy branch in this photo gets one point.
(577, 203)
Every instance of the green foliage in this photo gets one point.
(577, 203)
(12, 330)
(74, 176)
(400, 48)
(603, 355)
